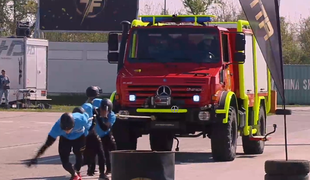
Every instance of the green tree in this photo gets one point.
(304, 39)
(225, 12)
(292, 53)
(76, 37)
(12, 11)
(199, 7)
(241, 15)
(163, 12)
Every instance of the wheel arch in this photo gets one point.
(261, 102)
(227, 99)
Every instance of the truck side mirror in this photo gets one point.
(240, 42)
(113, 42)
(113, 57)
(239, 57)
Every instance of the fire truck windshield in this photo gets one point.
(173, 45)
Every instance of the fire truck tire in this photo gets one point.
(288, 177)
(224, 138)
(287, 168)
(125, 139)
(256, 147)
(161, 141)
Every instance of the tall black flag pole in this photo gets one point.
(277, 7)
(264, 19)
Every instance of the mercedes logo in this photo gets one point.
(163, 90)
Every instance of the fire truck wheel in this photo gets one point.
(293, 177)
(224, 138)
(161, 141)
(256, 147)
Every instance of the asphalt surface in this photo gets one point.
(21, 134)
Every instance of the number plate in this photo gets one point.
(164, 125)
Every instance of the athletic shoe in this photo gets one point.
(79, 174)
(76, 177)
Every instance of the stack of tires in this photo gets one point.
(146, 165)
(287, 170)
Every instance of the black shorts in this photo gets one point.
(108, 142)
(93, 147)
(66, 145)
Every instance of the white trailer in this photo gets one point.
(25, 63)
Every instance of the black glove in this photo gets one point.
(33, 161)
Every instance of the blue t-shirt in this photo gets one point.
(80, 126)
(111, 119)
(97, 102)
(4, 80)
(89, 111)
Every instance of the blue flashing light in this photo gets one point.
(204, 19)
(147, 19)
(177, 18)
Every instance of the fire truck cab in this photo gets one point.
(186, 76)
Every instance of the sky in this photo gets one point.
(291, 9)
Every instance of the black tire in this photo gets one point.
(256, 147)
(161, 141)
(293, 177)
(125, 139)
(290, 167)
(224, 138)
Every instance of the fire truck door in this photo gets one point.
(227, 73)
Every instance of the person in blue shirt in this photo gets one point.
(71, 128)
(4, 87)
(104, 123)
(93, 141)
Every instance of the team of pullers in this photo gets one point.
(86, 131)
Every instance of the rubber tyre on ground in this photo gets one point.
(143, 164)
(293, 177)
(161, 141)
(256, 147)
(124, 137)
(224, 138)
(289, 168)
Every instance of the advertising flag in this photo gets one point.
(264, 19)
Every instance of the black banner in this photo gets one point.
(264, 19)
(86, 15)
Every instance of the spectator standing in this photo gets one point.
(4, 87)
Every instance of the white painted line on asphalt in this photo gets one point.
(6, 121)
(19, 146)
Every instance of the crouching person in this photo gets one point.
(93, 141)
(71, 127)
(103, 127)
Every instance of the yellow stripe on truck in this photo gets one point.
(140, 110)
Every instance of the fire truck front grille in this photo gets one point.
(177, 91)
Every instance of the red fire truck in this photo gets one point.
(186, 76)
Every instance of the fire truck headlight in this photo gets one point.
(132, 97)
(196, 98)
